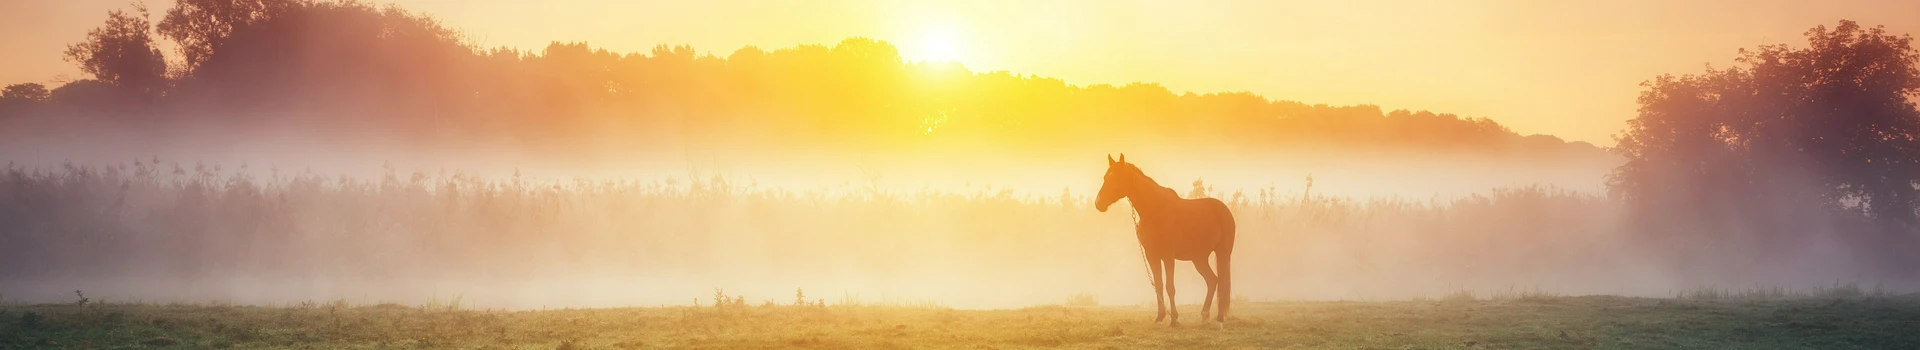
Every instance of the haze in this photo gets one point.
(1568, 69)
(538, 154)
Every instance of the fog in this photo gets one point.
(1356, 173)
(375, 219)
(323, 151)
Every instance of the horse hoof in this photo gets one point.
(1174, 324)
(1220, 325)
(1162, 317)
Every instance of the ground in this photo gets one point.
(1871, 322)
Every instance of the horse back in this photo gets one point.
(1211, 214)
(1202, 226)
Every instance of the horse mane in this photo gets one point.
(1157, 192)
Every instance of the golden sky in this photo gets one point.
(1566, 68)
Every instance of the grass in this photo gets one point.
(167, 221)
(1837, 290)
(1082, 300)
(1529, 321)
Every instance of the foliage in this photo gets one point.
(1829, 127)
(25, 92)
(22, 99)
(122, 53)
(348, 65)
(201, 27)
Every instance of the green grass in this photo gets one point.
(1528, 322)
(1836, 290)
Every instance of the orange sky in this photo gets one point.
(1567, 68)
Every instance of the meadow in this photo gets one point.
(1790, 167)
(210, 257)
(166, 232)
(1837, 318)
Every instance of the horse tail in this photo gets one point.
(1226, 228)
(1223, 253)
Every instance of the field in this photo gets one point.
(1458, 321)
(571, 254)
(168, 232)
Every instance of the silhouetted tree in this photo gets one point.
(86, 93)
(1831, 124)
(200, 27)
(122, 53)
(21, 99)
(24, 92)
(368, 68)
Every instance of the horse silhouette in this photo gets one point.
(1172, 229)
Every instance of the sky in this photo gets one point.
(1565, 68)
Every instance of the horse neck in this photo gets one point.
(1149, 196)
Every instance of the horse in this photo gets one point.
(1172, 229)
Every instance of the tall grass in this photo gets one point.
(1835, 290)
(205, 231)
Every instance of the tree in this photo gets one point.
(202, 26)
(33, 92)
(1831, 124)
(21, 99)
(122, 54)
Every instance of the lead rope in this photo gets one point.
(1143, 245)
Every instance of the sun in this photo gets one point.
(937, 44)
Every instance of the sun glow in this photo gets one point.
(935, 44)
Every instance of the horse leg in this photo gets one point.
(1206, 273)
(1226, 284)
(1173, 305)
(1159, 299)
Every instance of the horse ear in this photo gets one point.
(1110, 160)
(1123, 157)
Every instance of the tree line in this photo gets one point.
(361, 66)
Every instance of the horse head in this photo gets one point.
(1120, 181)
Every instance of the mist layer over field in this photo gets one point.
(1360, 172)
(172, 231)
(324, 150)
